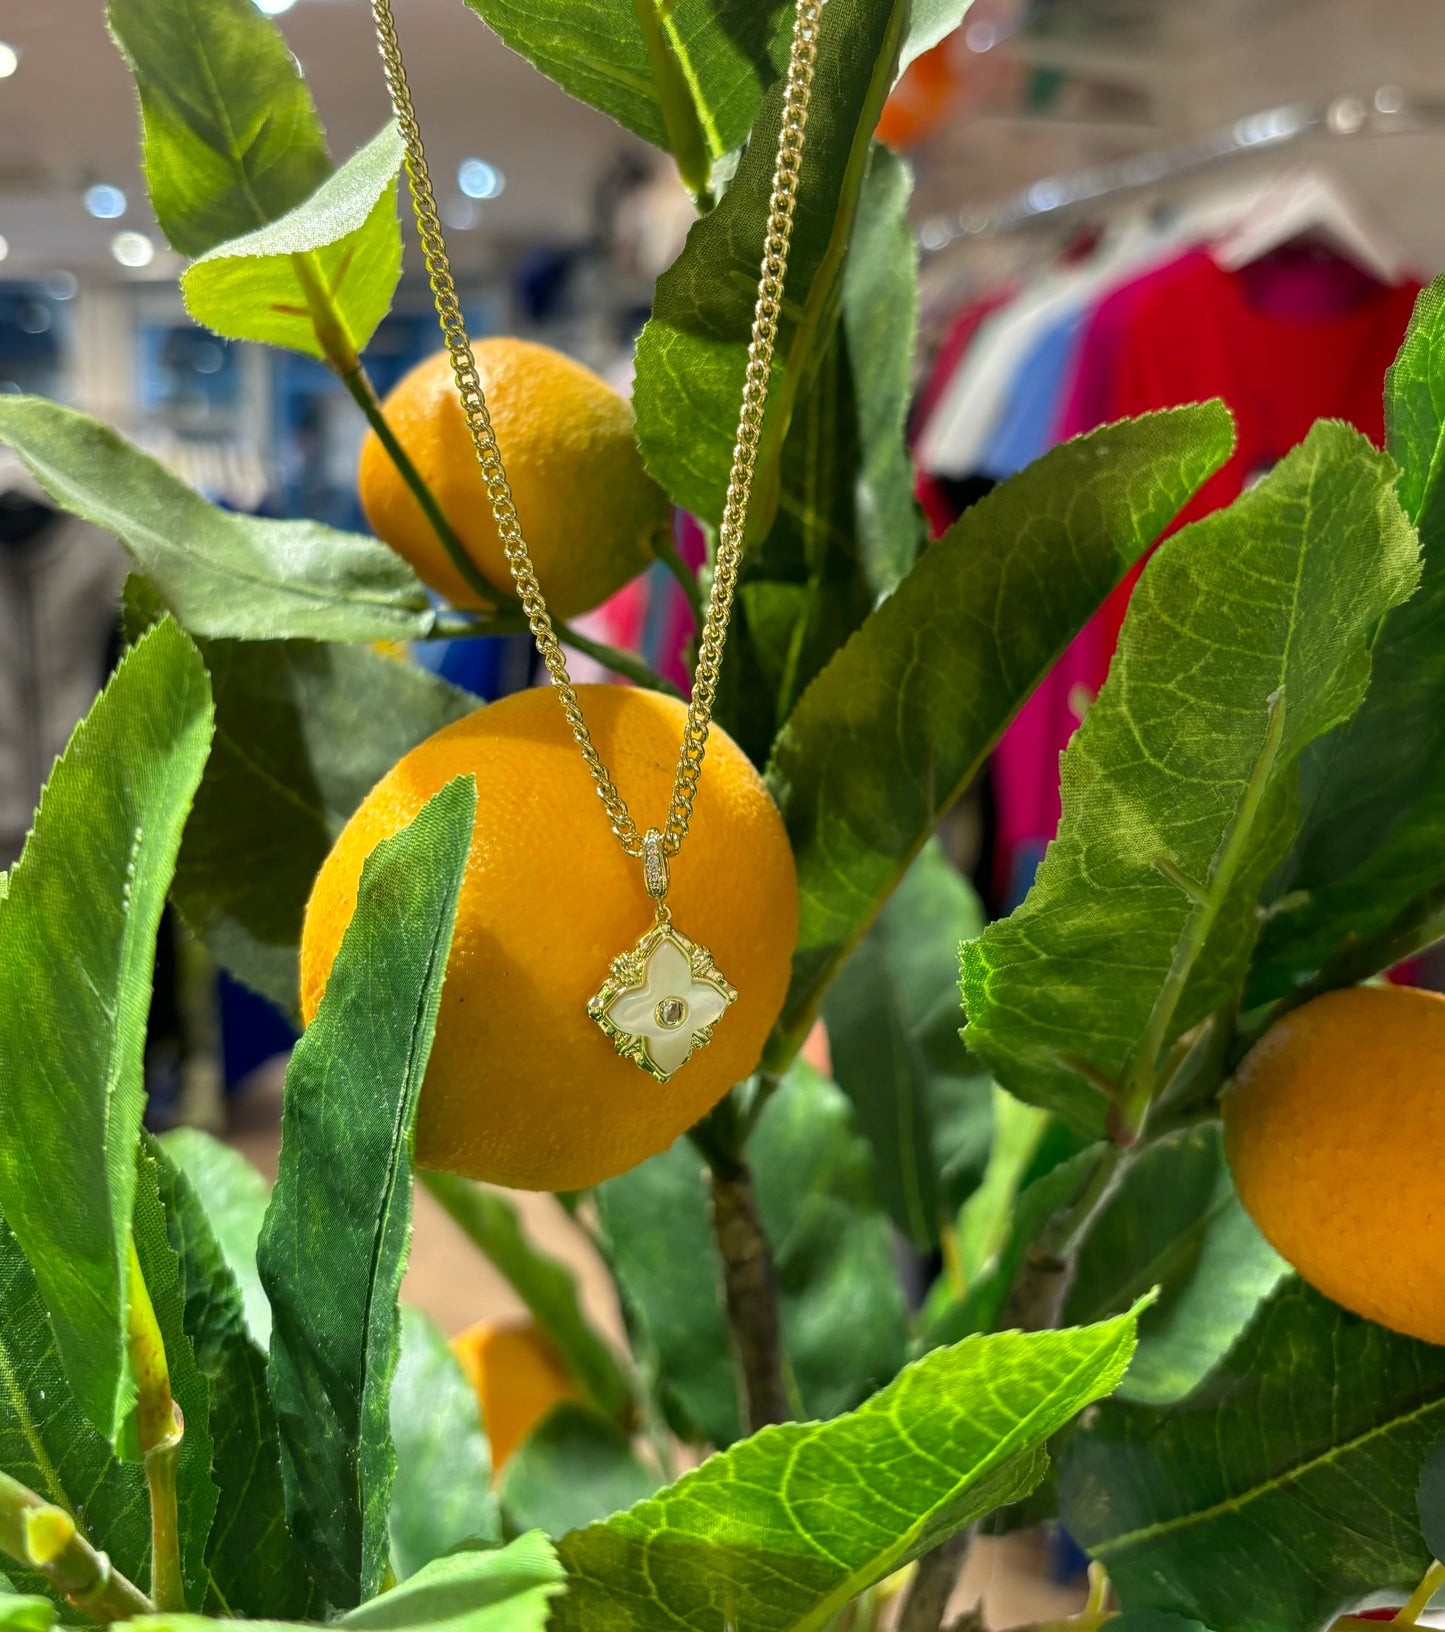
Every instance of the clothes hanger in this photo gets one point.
(1307, 203)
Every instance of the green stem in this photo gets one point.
(666, 552)
(675, 99)
(160, 1428)
(1419, 1601)
(43, 1537)
(1141, 1076)
(614, 658)
(341, 356)
(358, 382)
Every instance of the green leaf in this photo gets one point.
(726, 51)
(46, 1440)
(1247, 638)
(662, 1255)
(692, 355)
(1176, 1223)
(901, 719)
(575, 1467)
(545, 1284)
(1282, 1490)
(442, 1497)
(1431, 1499)
(197, 1496)
(335, 1240)
(1375, 789)
(831, 1249)
(220, 573)
(304, 731)
(235, 1202)
(783, 1529)
(503, 1591)
(77, 946)
(318, 280)
(846, 528)
(254, 1563)
(893, 1020)
(26, 1612)
(231, 137)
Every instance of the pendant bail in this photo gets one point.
(654, 870)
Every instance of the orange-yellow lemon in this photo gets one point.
(1335, 1130)
(518, 1378)
(590, 513)
(523, 1088)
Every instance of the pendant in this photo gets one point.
(661, 1000)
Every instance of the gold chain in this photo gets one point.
(766, 314)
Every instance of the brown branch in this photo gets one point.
(750, 1293)
(933, 1584)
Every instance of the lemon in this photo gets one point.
(523, 1088)
(590, 513)
(1334, 1128)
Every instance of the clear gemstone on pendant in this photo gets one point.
(671, 1012)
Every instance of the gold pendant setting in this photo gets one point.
(662, 1000)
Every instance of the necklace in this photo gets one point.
(662, 997)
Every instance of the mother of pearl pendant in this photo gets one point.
(661, 1001)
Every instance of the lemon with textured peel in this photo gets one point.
(591, 515)
(523, 1088)
(518, 1377)
(1335, 1131)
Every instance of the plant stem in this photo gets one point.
(1038, 1292)
(666, 552)
(674, 97)
(626, 664)
(750, 1295)
(750, 1282)
(358, 382)
(933, 1583)
(43, 1537)
(160, 1427)
(341, 357)
(1141, 1076)
(1419, 1601)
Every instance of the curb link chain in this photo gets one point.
(766, 314)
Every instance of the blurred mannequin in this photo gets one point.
(60, 582)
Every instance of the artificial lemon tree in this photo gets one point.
(953, 1284)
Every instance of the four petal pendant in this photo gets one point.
(661, 1000)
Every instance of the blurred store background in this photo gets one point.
(1107, 192)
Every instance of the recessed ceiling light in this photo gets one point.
(60, 285)
(9, 60)
(478, 179)
(4, 248)
(274, 8)
(133, 249)
(105, 203)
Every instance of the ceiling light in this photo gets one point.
(104, 202)
(460, 214)
(4, 248)
(274, 8)
(60, 285)
(9, 60)
(133, 249)
(478, 179)
(980, 37)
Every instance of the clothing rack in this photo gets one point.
(1388, 112)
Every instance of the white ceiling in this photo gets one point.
(68, 118)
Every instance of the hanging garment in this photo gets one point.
(1296, 338)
